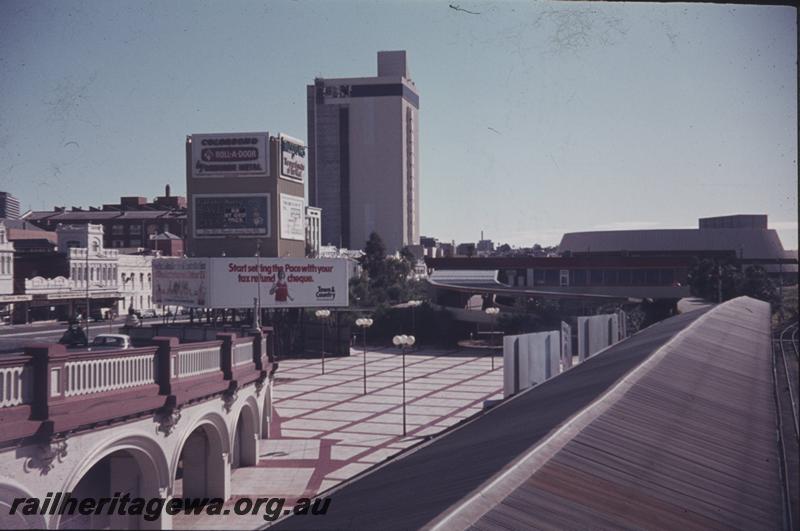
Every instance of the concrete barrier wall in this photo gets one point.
(530, 359)
(566, 346)
(623, 324)
(596, 333)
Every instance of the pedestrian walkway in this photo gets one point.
(326, 430)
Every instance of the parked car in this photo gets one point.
(149, 314)
(116, 341)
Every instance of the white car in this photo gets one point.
(116, 341)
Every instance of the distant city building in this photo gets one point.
(9, 206)
(465, 249)
(744, 238)
(447, 250)
(7, 296)
(363, 137)
(484, 247)
(6, 262)
(313, 230)
(55, 284)
(127, 224)
(27, 237)
(135, 278)
(739, 221)
(167, 244)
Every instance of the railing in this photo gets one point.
(13, 388)
(74, 389)
(198, 361)
(242, 352)
(108, 374)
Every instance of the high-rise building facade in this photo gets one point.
(363, 136)
(9, 206)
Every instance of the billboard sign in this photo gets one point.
(293, 159)
(236, 282)
(282, 282)
(245, 215)
(293, 217)
(180, 281)
(230, 155)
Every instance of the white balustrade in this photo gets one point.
(242, 353)
(14, 386)
(109, 374)
(198, 361)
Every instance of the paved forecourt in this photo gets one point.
(326, 430)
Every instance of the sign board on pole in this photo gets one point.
(293, 159)
(244, 215)
(230, 155)
(292, 221)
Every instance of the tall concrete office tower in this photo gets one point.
(363, 139)
(9, 206)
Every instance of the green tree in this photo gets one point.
(710, 279)
(756, 283)
(374, 255)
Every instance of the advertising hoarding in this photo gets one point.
(180, 281)
(245, 215)
(282, 282)
(293, 159)
(293, 217)
(230, 155)
(236, 282)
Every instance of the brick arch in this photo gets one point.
(244, 445)
(205, 444)
(148, 458)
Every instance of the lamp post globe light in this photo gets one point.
(492, 312)
(413, 305)
(404, 341)
(323, 315)
(364, 323)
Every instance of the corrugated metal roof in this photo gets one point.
(687, 443)
(680, 439)
(747, 243)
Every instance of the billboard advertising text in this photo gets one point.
(293, 217)
(231, 215)
(282, 282)
(293, 159)
(237, 282)
(230, 155)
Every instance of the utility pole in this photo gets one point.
(87, 289)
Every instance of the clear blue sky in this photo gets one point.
(536, 118)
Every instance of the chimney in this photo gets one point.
(166, 191)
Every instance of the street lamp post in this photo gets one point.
(323, 315)
(492, 312)
(364, 323)
(404, 341)
(413, 304)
